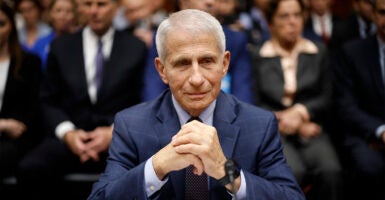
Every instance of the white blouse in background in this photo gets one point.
(4, 67)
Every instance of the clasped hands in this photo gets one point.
(292, 122)
(88, 145)
(195, 144)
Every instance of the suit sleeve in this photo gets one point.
(51, 95)
(274, 179)
(348, 97)
(124, 175)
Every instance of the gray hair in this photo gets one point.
(194, 22)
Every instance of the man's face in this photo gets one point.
(137, 9)
(320, 6)
(379, 18)
(30, 12)
(193, 68)
(364, 8)
(261, 4)
(203, 5)
(226, 7)
(63, 15)
(99, 14)
(287, 22)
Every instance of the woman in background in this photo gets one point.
(62, 17)
(33, 27)
(19, 96)
(293, 79)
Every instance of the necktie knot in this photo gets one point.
(194, 118)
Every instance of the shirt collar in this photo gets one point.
(326, 16)
(269, 49)
(108, 36)
(206, 116)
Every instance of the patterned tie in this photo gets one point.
(99, 66)
(196, 187)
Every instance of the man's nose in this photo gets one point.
(94, 8)
(196, 77)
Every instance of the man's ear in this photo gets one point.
(226, 63)
(161, 70)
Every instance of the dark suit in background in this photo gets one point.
(255, 146)
(360, 100)
(65, 98)
(340, 33)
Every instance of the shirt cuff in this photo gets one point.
(379, 131)
(63, 128)
(241, 194)
(152, 182)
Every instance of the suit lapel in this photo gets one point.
(272, 75)
(169, 125)
(76, 65)
(302, 72)
(375, 66)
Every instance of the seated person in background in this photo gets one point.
(91, 75)
(360, 24)
(20, 77)
(32, 27)
(228, 14)
(236, 82)
(293, 79)
(254, 21)
(360, 100)
(143, 17)
(62, 16)
(325, 26)
(156, 152)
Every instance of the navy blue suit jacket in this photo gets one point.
(239, 69)
(246, 133)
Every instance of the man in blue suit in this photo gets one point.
(237, 82)
(154, 144)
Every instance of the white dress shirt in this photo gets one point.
(90, 43)
(317, 26)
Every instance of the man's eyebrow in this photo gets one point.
(179, 59)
